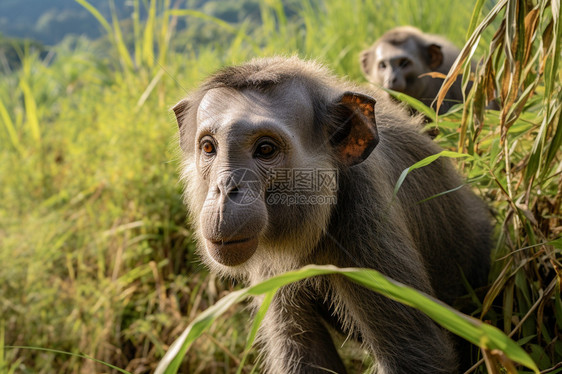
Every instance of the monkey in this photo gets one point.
(401, 55)
(249, 133)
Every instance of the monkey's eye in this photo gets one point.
(382, 65)
(404, 62)
(208, 147)
(265, 150)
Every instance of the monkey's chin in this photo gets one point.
(233, 252)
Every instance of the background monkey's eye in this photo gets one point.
(208, 147)
(404, 62)
(265, 150)
(382, 65)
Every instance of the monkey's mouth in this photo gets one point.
(232, 252)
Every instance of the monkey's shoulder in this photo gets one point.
(406, 134)
(402, 145)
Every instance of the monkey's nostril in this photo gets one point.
(233, 191)
(226, 188)
(229, 191)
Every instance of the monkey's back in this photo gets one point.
(448, 223)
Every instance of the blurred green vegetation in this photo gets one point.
(96, 255)
(12, 51)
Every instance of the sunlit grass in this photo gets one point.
(96, 257)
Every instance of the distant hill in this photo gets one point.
(49, 21)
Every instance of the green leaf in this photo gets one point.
(31, 111)
(10, 128)
(96, 14)
(171, 361)
(148, 38)
(555, 144)
(469, 328)
(68, 354)
(474, 18)
(258, 318)
(414, 103)
(426, 161)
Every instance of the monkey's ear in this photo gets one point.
(366, 60)
(434, 56)
(356, 135)
(180, 110)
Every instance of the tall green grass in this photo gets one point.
(478, 333)
(96, 257)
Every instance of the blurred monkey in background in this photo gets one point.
(401, 55)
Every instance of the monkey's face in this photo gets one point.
(256, 167)
(401, 65)
(397, 67)
(260, 167)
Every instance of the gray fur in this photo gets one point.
(315, 118)
(407, 43)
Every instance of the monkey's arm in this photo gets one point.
(402, 339)
(294, 337)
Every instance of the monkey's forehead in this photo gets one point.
(385, 51)
(287, 102)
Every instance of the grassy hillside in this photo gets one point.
(97, 259)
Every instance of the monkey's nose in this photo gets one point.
(228, 187)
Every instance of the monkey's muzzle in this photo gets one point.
(232, 252)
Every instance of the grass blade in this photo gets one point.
(197, 14)
(534, 164)
(172, 359)
(165, 34)
(10, 128)
(471, 329)
(467, 52)
(31, 112)
(69, 354)
(414, 103)
(474, 18)
(93, 11)
(426, 161)
(258, 318)
(441, 194)
(148, 39)
(137, 31)
(555, 144)
(118, 39)
(150, 88)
